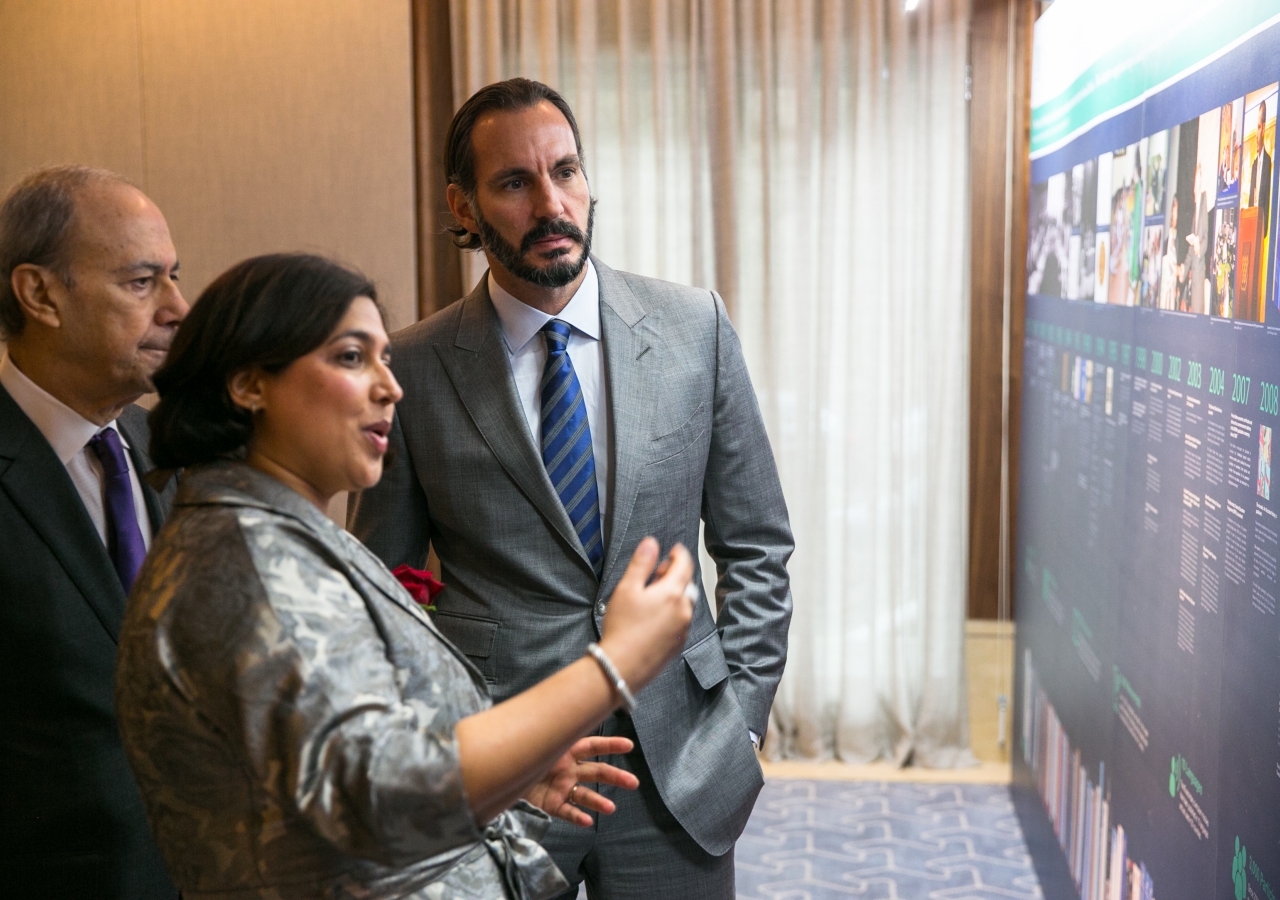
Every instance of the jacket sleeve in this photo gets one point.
(306, 694)
(391, 518)
(747, 534)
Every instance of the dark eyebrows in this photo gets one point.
(567, 160)
(508, 173)
(358, 333)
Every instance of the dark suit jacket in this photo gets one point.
(1261, 189)
(72, 823)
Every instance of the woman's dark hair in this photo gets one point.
(460, 153)
(262, 313)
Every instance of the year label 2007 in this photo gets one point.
(1239, 389)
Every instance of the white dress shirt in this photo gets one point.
(68, 433)
(527, 353)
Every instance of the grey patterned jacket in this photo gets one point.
(289, 712)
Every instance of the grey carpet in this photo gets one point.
(814, 840)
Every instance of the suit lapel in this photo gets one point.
(158, 504)
(377, 575)
(38, 485)
(478, 367)
(632, 362)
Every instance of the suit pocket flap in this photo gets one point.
(664, 446)
(706, 661)
(470, 634)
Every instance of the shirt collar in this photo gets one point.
(65, 429)
(520, 322)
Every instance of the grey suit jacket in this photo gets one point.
(522, 600)
(72, 822)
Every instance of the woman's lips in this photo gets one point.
(377, 434)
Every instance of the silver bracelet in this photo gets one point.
(611, 672)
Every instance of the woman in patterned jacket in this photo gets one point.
(296, 723)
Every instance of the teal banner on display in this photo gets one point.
(1147, 708)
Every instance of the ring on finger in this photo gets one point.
(572, 791)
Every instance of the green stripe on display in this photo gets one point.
(1143, 63)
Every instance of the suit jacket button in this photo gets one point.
(600, 608)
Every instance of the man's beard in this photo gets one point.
(562, 271)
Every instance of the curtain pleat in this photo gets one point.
(806, 158)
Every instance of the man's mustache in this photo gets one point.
(547, 229)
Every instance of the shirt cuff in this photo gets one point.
(755, 738)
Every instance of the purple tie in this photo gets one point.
(124, 538)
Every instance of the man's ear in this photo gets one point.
(460, 206)
(40, 294)
(247, 389)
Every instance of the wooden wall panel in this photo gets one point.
(69, 87)
(439, 263)
(275, 125)
(989, 55)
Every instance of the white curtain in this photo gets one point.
(808, 159)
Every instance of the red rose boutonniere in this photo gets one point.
(421, 585)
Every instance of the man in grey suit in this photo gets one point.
(88, 306)
(553, 418)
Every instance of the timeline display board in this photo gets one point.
(1148, 661)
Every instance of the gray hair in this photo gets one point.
(36, 221)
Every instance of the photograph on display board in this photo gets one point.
(1153, 261)
(1155, 150)
(1231, 127)
(1199, 236)
(1253, 241)
(1049, 237)
(1102, 228)
(1124, 268)
(1222, 268)
(1085, 181)
(1071, 228)
(1264, 462)
(1175, 288)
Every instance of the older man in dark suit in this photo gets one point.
(88, 306)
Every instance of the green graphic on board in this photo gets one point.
(1237, 869)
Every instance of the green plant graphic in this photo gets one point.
(1237, 869)
(1173, 777)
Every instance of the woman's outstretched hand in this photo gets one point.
(567, 776)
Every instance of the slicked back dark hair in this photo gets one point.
(460, 153)
(262, 313)
(36, 222)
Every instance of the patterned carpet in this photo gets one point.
(812, 840)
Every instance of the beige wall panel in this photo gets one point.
(69, 87)
(276, 125)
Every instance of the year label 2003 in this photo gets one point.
(1193, 374)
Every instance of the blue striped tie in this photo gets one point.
(566, 443)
